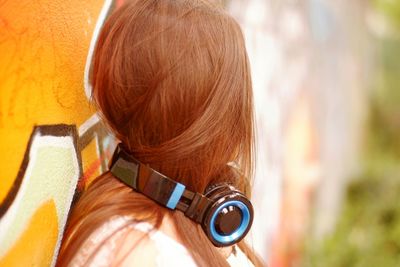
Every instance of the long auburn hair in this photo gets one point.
(171, 79)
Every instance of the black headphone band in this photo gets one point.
(157, 186)
(225, 214)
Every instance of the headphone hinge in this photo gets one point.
(198, 207)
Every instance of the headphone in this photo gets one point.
(224, 213)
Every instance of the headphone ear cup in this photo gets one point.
(215, 191)
(229, 218)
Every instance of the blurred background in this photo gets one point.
(326, 80)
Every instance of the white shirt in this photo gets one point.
(100, 248)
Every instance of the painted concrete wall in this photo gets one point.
(51, 141)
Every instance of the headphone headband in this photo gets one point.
(209, 210)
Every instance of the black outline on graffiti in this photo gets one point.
(95, 131)
(57, 130)
(91, 130)
(98, 132)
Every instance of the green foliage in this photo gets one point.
(390, 8)
(368, 230)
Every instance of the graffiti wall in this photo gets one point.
(51, 141)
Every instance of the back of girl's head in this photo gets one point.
(171, 79)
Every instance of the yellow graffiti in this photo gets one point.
(41, 235)
(44, 47)
(43, 50)
(91, 166)
(51, 174)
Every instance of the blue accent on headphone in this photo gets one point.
(202, 209)
(239, 231)
(175, 196)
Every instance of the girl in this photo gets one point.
(171, 80)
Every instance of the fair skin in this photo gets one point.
(143, 245)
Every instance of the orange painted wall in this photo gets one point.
(50, 137)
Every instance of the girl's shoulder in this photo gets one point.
(122, 241)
